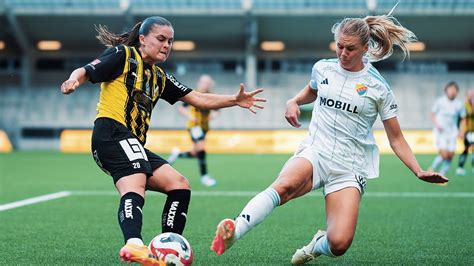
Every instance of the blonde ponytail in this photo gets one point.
(385, 32)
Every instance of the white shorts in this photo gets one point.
(329, 175)
(445, 140)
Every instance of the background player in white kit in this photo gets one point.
(445, 114)
(339, 151)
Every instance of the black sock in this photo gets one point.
(462, 159)
(202, 162)
(185, 155)
(175, 211)
(130, 215)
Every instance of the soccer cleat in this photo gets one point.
(174, 155)
(225, 236)
(139, 253)
(208, 181)
(460, 171)
(305, 253)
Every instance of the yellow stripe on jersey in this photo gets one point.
(469, 116)
(200, 118)
(130, 98)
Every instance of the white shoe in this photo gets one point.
(460, 171)
(174, 155)
(208, 181)
(305, 253)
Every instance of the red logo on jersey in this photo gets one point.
(361, 89)
(95, 62)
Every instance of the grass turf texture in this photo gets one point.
(83, 229)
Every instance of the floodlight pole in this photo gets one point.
(28, 57)
(126, 8)
(250, 51)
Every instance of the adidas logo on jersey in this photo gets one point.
(325, 81)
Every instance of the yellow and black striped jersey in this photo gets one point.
(469, 116)
(199, 117)
(130, 88)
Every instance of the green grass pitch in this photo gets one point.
(433, 226)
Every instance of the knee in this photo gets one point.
(180, 183)
(339, 244)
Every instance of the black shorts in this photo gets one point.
(197, 133)
(119, 153)
(468, 138)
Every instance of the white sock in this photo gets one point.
(256, 210)
(322, 247)
(436, 162)
(136, 241)
(445, 165)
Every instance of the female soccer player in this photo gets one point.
(131, 85)
(339, 152)
(467, 126)
(197, 126)
(445, 114)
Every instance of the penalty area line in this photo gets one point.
(34, 200)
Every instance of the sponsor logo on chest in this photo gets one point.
(344, 106)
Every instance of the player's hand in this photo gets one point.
(292, 113)
(247, 100)
(69, 86)
(432, 177)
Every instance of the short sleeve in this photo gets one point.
(313, 83)
(174, 90)
(387, 105)
(108, 66)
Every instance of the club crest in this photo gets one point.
(361, 89)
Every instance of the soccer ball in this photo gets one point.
(172, 248)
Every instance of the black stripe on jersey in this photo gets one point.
(163, 80)
(130, 81)
(141, 114)
(153, 84)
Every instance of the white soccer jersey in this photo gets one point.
(447, 113)
(344, 112)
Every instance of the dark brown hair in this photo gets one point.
(129, 38)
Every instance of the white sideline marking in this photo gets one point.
(314, 194)
(34, 200)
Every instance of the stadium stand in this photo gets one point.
(31, 106)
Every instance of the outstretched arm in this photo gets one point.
(403, 151)
(305, 96)
(76, 79)
(242, 99)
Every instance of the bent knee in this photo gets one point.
(179, 183)
(339, 245)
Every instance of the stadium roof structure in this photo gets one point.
(226, 28)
